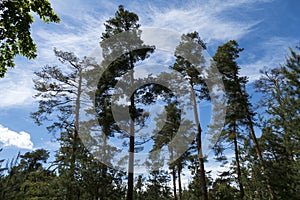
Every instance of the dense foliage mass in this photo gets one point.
(15, 22)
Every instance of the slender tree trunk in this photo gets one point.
(259, 155)
(73, 191)
(130, 169)
(173, 175)
(257, 148)
(179, 181)
(199, 147)
(103, 172)
(238, 167)
(259, 195)
(131, 139)
(174, 182)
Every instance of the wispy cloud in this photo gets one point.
(16, 88)
(270, 53)
(206, 17)
(11, 138)
(81, 37)
(81, 34)
(214, 168)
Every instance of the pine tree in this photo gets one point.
(59, 93)
(197, 87)
(124, 21)
(39, 182)
(157, 187)
(222, 188)
(280, 136)
(11, 183)
(28, 179)
(235, 112)
(166, 130)
(163, 135)
(225, 59)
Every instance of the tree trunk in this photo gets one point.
(174, 182)
(259, 155)
(131, 139)
(179, 181)
(199, 147)
(73, 189)
(130, 169)
(103, 174)
(257, 148)
(258, 190)
(238, 167)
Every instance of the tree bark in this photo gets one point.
(130, 169)
(199, 147)
(257, 148)
(131, 139)
(75, 136)
(103, 172)
(179, 181)
(174, 182)
(238, 167)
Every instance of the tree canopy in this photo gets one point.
(16, 18)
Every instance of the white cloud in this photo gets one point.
(212, 166)
(206, 18)
(16, 88)
(82, 39)
(81, 34)
(12, 138)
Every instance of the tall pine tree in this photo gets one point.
(124, 21)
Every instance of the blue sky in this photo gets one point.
(264, 28)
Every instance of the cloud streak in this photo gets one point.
(81, 34)
(270, 53)
(207, 18)
(16, 89)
